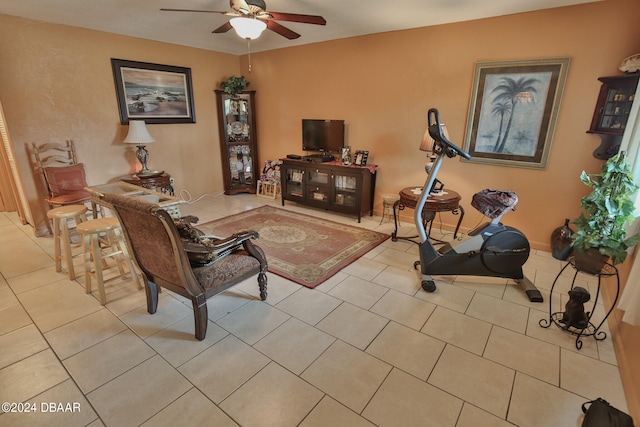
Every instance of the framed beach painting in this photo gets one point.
(154, 93)
(513, 111)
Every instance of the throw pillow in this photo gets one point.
(65, 180)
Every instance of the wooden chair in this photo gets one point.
(167, 260)
(62, 177)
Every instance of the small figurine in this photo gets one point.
(574, 314)
(267, 170)
(274, 177)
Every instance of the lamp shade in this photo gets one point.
(138, 133)
(427, 141)
(248, 28)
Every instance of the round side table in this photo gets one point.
(162, 182)
(448, 201)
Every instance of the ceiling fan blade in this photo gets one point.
(223, 28)
(294, 17)
(282, 30)
(193, 10)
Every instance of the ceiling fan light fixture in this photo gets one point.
(248, 28)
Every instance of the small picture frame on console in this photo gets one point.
(361, 158)
(345, 156)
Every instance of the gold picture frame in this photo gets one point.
(513, 111)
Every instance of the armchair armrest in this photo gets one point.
(225, 246)
(212, 248)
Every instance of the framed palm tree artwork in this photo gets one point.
(513, 111)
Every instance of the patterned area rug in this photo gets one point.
(302, 248)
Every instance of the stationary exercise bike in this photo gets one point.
(491, 249)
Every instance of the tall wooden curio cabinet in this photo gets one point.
(238, 143)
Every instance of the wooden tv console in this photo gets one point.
(329, 185)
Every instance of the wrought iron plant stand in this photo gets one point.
(589, 328)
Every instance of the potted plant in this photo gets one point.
(234, 85)
(600, 228)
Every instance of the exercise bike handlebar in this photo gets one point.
(435, 131)
(441, 147)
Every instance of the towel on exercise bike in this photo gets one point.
(493, 203)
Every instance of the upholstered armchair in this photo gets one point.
(192, 268)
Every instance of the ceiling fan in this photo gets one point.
(253, 15)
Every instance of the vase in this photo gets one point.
(590, 261)
(561, 241)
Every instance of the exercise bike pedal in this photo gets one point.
(530, 289)
(534, 295)
(428, 285)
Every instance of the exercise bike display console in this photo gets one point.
(491, 249)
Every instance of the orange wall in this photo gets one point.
(383, 85)
(57, 84)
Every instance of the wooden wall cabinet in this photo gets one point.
(331, 186)
(612, 112)
(238, 141)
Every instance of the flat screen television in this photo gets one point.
(324, 136)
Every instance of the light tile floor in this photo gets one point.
(367, 347)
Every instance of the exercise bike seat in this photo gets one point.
(494, 203)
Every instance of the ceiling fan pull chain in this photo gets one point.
(249, 48)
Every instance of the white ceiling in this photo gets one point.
(345, 18)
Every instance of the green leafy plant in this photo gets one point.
(234, 85)
(606, 211)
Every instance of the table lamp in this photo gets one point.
(428, 145)
(138, 134)
(428, 142)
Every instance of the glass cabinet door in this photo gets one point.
(318, 189)
(344, 190)
(319, 177)
(240, 165)
(614, 105)
(617, 108)
(294, 182)
(236, 112)
(318, 194)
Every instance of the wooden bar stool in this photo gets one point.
(60, 218)
(102, 239)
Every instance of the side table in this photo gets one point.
(590, 330)
(169, 203)
(162, 182)
(448, 201)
